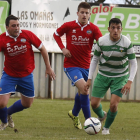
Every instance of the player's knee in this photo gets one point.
(2, 105)
(94, 105)
(113, 107)
(27, 105)
(84, 92)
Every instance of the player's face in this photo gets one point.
(83, 15)
(13, 28)
(115, 31)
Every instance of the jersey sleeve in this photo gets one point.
(35, 40)
(97, 33)
(57, 35)
(130, 52)
(97, 51)
(1, 43)
(62, 29)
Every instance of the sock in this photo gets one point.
(110, 118)
(3, 114)
(99, 111)
(77, 105)
(85, 105)
(16, 107)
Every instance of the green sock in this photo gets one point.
(110, 118)
(99, 111)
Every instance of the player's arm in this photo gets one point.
(1, 43)
(98, 34)
(93, 66)
(57, 36)
(45, 56)
(133, 70)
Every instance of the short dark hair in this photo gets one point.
(115, 20)
(10, 17)
(83, 5)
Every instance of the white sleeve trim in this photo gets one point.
(93, 66)
(40, 46)
(56, 33)
(133, 69)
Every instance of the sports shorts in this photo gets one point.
(103, 83)
(76, 73)
(9, 84)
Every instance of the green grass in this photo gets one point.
(48, 120)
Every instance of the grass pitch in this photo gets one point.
(48, 120)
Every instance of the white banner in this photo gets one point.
(43, 18)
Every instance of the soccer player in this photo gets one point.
(80, 35)
(18, 69)
(114, 52)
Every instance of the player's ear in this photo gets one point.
(108, 28)
(77, 13)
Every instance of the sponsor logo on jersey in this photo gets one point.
(75, 77)
(89, 31)
(23, 40)
(8, 44)
(73, 31)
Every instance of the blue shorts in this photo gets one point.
(76, 73)
(23, 85)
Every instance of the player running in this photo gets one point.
(114, 52)
(80, 35)
(18, 68)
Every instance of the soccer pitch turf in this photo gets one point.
(48, 120)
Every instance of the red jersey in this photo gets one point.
(79, 40)
(19, 56)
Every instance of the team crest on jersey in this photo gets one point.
(121, 49)
(73, 31)
(23, 40)
(0, 89)
(89, 31)
(75, 77)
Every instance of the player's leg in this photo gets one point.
(72, 75)
(26, 88)
(84, 98)
(97, 108)
(77, 105)
(77, 78)
(7, 85)
(100, 86)
(80, 78)
(112, 112)
(116, 95)
(3, 110)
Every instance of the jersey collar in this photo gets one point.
(82, 27)
(15, 38)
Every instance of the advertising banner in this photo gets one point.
(130, 17)
(4, 11)
(43, 18)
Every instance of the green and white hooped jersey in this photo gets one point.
(114, 56)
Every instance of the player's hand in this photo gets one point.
(51, 73)
(126, 88)
(87, 85)
(91, 54)
(66, 52)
